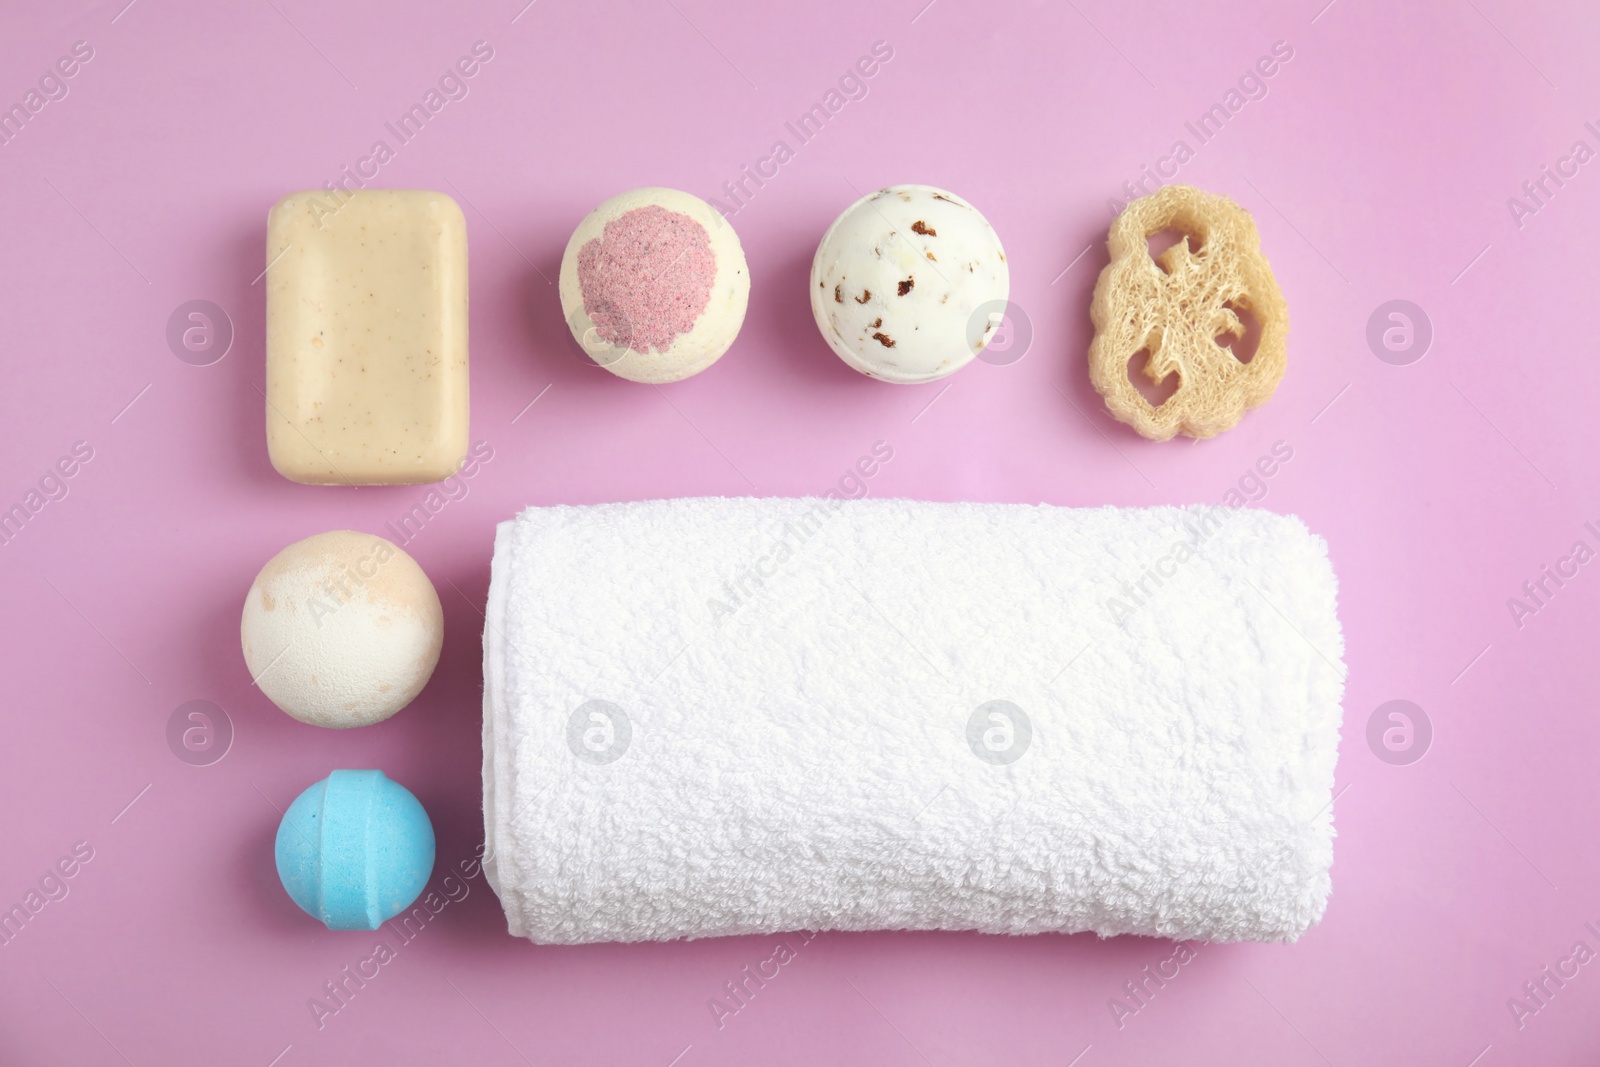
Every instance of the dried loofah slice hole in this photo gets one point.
(1155, 393)
(1169, 237)
(1243, 346)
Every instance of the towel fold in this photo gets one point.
(729, 716)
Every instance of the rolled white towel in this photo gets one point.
(728, 716)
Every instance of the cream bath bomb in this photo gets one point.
(909, 284)
(341, 629)
(654, 285)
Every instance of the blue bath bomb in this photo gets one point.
(355, 850)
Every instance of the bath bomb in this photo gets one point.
(909, 284)
(354, 850)
(341, 629)
(654, 285)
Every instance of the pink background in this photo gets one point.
(1378, 167)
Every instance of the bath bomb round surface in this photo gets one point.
(354, 850)
(909, 284)
(654, 285)
(341, 629)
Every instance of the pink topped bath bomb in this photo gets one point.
(646, 279)
(654, 285)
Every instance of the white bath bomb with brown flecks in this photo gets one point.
(341, 629)
(909, 284)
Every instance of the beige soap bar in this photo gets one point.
(366, 337)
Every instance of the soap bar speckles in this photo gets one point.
(367, 338)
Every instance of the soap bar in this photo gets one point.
(366, 337)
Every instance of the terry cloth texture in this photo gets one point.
(739, 716)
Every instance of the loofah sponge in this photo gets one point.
(1184, 308)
